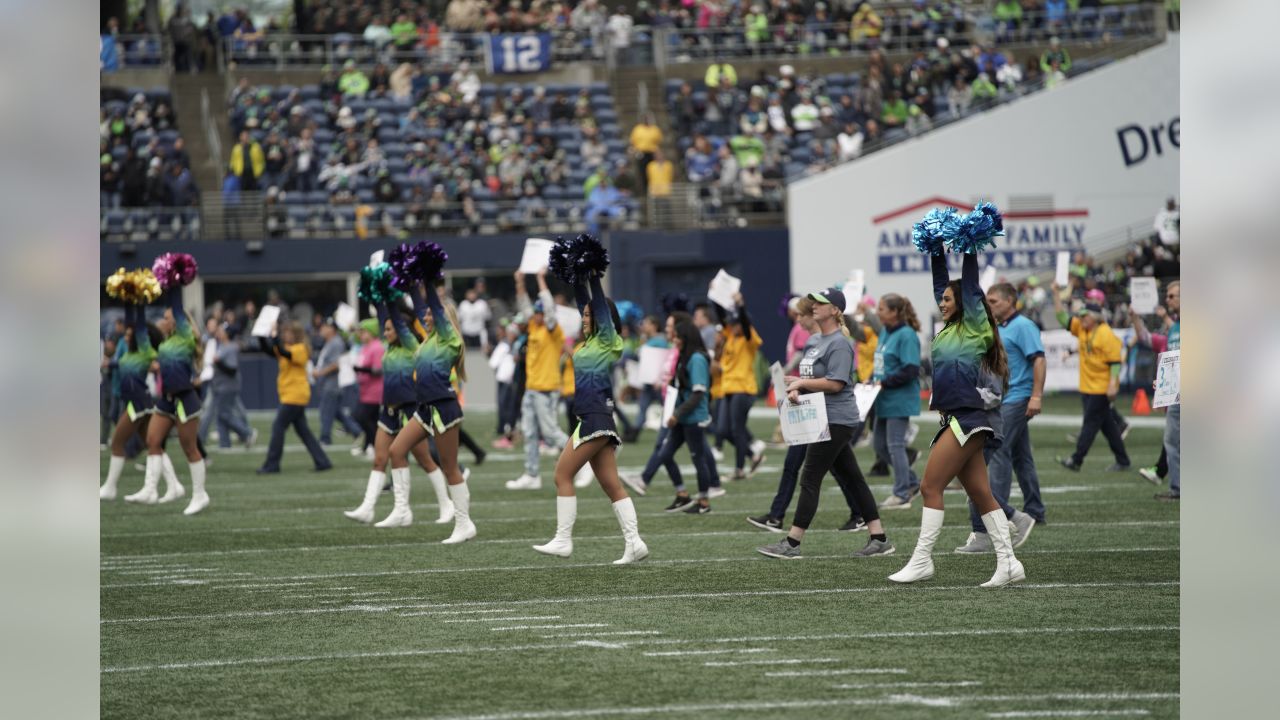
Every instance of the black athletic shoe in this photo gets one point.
(680, 503)
(879, 469)
(854, 524)
(764, 522)
(480, 456)
(697, 509)
(912, 455)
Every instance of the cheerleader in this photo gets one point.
(969, 373)
(595, 438)
(398, 401)
(179, 404)
(438, 413)
(134, 364)
(827, 367)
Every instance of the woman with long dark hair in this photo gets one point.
(582, 262)
(970, 371)
(897, 370)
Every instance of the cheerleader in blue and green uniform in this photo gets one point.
(581, 262)
(178, 404)
(399, 402)
(133, 361)
(438, 413)
(970, 371)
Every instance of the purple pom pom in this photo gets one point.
(174, 270)
(411, 264)
(579, 259)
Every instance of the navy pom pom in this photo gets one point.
(579, 259)
(935, 230)
(420, 262)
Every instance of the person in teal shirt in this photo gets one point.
(897, 371)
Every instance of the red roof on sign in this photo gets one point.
(936, 201)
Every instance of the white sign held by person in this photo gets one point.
(1144, 295)
(1061, 360)
(345, 317)
(853, 290)
(569, 319)
(1168, 380)
(988, 278)
(669, 404)
(864, 394)
(537, 256)
(1063, 271)
(779, 383)
(651, 361)
(631, 369)
(376, 258)
(266, 321)
(804, 422)
(723, 287)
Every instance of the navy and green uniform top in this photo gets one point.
(437, 354)
(398, 361)
(134, 365)
(595, 357)
(177, 352)
(967, 395)
(693, 382)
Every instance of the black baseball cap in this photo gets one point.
(830, 296)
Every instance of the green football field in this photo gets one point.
(271, 604)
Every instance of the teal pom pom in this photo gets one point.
(978, 230)
(376, 287)
(935, 230)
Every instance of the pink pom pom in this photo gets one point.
(175, 270)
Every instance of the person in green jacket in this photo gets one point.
(757, 26)
(720, 70)
(404, 33)
(353, 81)
(983, 91)
(1058, 53)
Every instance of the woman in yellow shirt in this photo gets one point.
(290, 350)
(738, 382)
(646, 138)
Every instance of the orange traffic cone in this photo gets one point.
(1141, 406)
(772, 399)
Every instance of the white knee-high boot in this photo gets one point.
(108, 489)
(566, 513)
(199, 498)
(463, 528)
(636, 550)
(401, 514)
(173, 489)
(920, 566)
(147, 495)
(364, 513)
(442, 496)
(1008, 569)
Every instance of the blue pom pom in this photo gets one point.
(935, 230)
(978, 230)
(375, 285)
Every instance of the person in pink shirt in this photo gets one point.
(798, 336)
(369, 378)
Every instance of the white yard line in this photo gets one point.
(771, 661)
(455, 612)
(885, 686)
(518, 618)
(509, 628)
(601, 634)
(680, 653)
(837, 671)
(470, 649)
(1068, 713)
(436, 608)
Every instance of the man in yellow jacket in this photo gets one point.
(538, 410)
(248, 162)
(290, 349)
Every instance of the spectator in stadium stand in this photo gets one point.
(157, 185)
(465, 15)
(700, 161)
(619, 26)
(404, 33)
(687, 110)
(1055, 53)
(1100, 358)
(866, 27)
(717, 71)
(473, 317)
(248, 161)
(983, 92)
(303, 171)
(605, 200)
(182, 33)
(353, 82)
(133, 179)
(894, 112)
(850, 142)
(919, 117)
(109, 183)
(1055, 14)
(804, 116)
(1054, 76)
(588, 18)
(646, 139)
(1009, 76)
(1168, 224)
(182, 190)
(959, 97)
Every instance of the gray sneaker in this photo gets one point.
(1021, 526)
(978, 543)
(781, 550)
(874, 547)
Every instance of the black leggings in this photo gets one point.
(367, 417)
(834, 456)
(470, 443)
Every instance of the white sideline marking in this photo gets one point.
(454, 612)
(601, 634)
(236, 662)
(1066, 712)
(926, 701)
(548, 627)
(877, 686)
(600, 644)
(838, 671)
(773, 661)
(504, 619)
(626, 598)
(673, 653)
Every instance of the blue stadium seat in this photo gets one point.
(364, 196)
(317, 197)
(600, 88)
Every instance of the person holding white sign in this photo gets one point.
(827, 367)
(738, 380)
(968, 359)
(545, 343)
(1173, 418)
